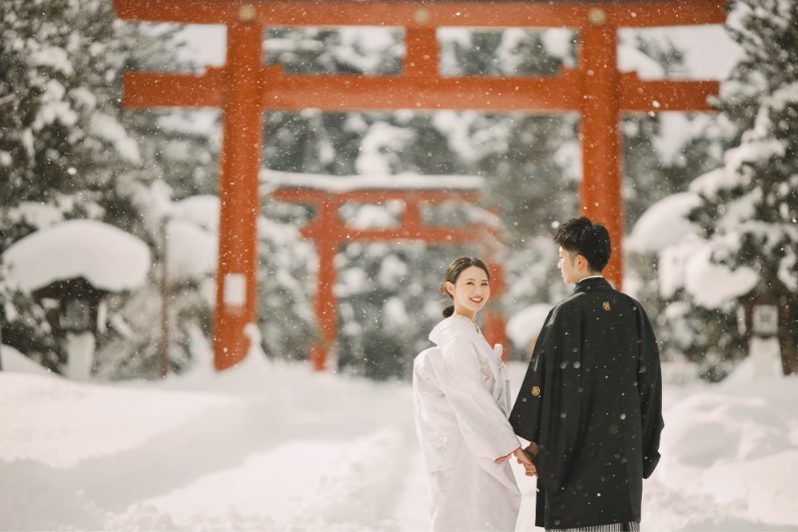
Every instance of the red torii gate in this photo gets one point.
(245, 87)
(329, 232)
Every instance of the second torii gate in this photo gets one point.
(245, 87)
(329, 232)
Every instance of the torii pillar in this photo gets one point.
(600, 188)
(237, 89)
(241, 149)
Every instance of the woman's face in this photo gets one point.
(470, 292)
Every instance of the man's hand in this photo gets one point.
(532, 450)
(525, 460)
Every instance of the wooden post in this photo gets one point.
(600, 192)
(165, 297)
(238, 193)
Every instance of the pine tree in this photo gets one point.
(748, 212)
(66, 150)
(756, 199)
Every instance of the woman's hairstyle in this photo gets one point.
(583, 237)
(457, 267)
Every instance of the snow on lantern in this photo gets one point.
(76, 264)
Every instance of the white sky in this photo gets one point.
(710, 52)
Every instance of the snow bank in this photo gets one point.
(107, 257)
(663, 224)
(60, 423)
(762, 364)
(263, 446)
(13, 360)
(734, 448)
(273, 446)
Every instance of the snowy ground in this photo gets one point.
(272, 446)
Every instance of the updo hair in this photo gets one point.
(457, 267)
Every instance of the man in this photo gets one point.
(591, 401)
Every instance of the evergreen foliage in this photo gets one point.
(748, 211)
(66, 149)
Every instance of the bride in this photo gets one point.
(461, 408)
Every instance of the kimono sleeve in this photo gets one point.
(483, 425)
(548, 410)
(562, 415)
(649, 386)
(525, 415)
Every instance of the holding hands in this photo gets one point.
(527, 459)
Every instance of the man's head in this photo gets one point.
(584, 249)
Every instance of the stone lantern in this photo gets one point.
(767, 313)
(69, 269)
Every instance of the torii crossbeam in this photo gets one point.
(245, 87)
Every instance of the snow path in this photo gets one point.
(273, 446)
(228, 459)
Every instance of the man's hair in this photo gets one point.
(583, 237)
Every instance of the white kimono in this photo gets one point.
(461, 409)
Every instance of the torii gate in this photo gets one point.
(245, 87)
(330, 232)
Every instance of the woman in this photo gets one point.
(461, 412)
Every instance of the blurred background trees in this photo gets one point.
(68, 150)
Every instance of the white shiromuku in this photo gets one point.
(460, 401)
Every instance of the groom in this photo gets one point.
(591, 401)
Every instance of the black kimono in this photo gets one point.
(592, 401)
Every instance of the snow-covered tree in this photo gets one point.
(745, 213)
(750, 206)
(66, 149)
